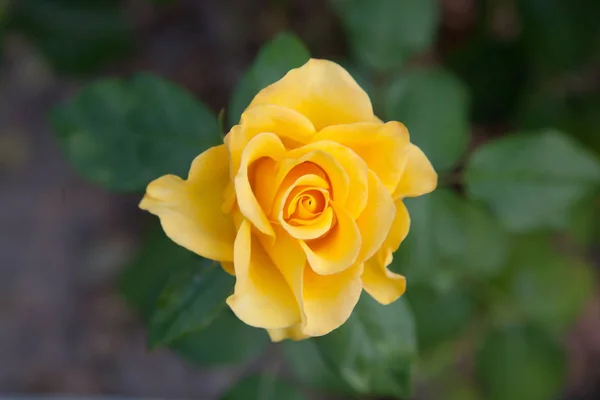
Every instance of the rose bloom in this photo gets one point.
(302, 203)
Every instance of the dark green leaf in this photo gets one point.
(226, 340)
(386, 33)
(123, 135)
(439, 316)
(308, 366)
(520, 363)
(434, 106)
(532, 181)
(157, 260)
(549, 288)
(450, 238)
(262, 387)
(374, 351)
(275, 59)
(77, 36)
(191, 300)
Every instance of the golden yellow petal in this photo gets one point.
(329, 299)
(339, 249)
(228, 267)
(322, 91)
(294, 332)
(293, 128)
(262, 297)
(418, 178)
(376, 220)
(382, 284)
(190, 211)
(384, 147)
(264, 145)
(353, 196)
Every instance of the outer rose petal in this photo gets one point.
(384, 147)
(328, 303)
(419, 177)
(294, 332)
(190, 211)
(293, 129)
(376, 220)
(382, 284)
(337, 250)
(262, 297)
(264, 145)
(329, 299)
(322, 91)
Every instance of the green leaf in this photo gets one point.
(76, 36)
(439, 316)
(226, 340)
(262, 387)
(532, 181)
(520, 363)
(191, 300)
(275, 58)
(122, 135)
(548, 287)
(451, 238)
(158, 259)
(434, 106)
(310, 369)
(386, 33)
(374, 351)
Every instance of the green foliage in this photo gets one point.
(262, 387)
(451, 238)
(439, 315)
(227, 340)
(275, 59)
(76, 36)
(311, 370)
(374, 350)
(433, 105)
(193, 323)
(548, 287)
(520, 363)
(532, 180)
(122, 135)
(192, 299)
(385, 34)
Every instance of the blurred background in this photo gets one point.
(65, 328)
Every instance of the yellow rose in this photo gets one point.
(303, 203)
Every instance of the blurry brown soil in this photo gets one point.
(63, 327)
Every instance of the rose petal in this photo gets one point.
(353, 166)
(190, 211)
(384, 147)
(290, 126)
(338, 250)
(262, 145)
(419, 177)
(382, 284)
(262, 297)
(376, 220)
(322, 91)
(329, 299)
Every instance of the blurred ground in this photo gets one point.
(63, 328)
